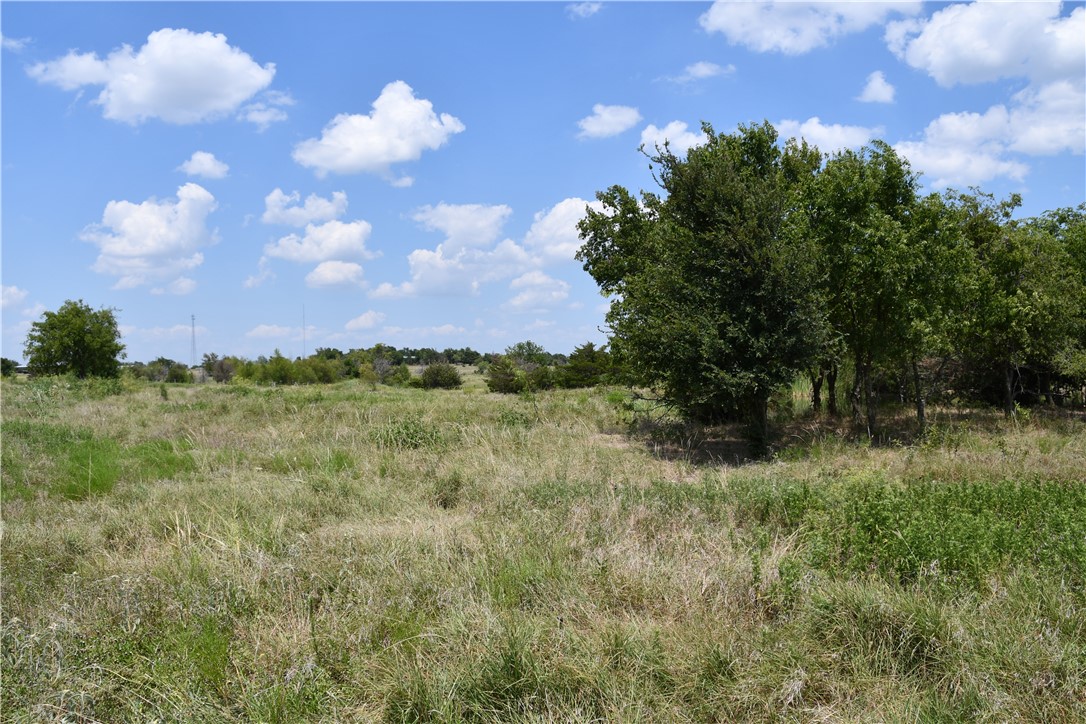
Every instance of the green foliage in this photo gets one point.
(75, 339)
(587, 367)
(7, 367)
(717, 303)
(967, 531)
(503, 375)
(441, 375)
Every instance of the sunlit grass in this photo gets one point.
(235, 553)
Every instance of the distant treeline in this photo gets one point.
(523, 366)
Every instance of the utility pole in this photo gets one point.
(193, 341)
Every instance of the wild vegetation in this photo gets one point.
(356, 551)
(760, 261)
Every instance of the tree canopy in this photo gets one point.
(763, 260)
(716, 300)
(75, 339)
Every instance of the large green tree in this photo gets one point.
(873, 237)
(75, 339)
(1026, 310)
(715, 295)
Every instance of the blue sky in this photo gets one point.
(412, 173)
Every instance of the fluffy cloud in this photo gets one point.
(281, 208)
(366, 320)
(263, 274)
(985, 41)
(828, 137)
(465, 260)
(266, 111)
(608, 121)
(436, 272)
(675, 134)
(537, 291)
(1049, 119)
(877, 90)
(796, 27)
(553, 234)
(154, 239)
(204, 164)
(178, 76)
(399, 129)
(332, 240)
(12, 295)
(464, 225)
(583, 10)
(702, 70)
(334, 274)
(15, 45)
(961, 149)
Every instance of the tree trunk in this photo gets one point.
(831, 390)
(855, 398)
(870, 402)
(921, 403)
(758, 425)
(816, 390)
(1008, 390)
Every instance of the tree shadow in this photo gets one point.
(794, 438)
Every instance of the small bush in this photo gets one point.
(441, 375)
(504, 376)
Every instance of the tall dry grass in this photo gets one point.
(232, 553)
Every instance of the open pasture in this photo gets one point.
(338, 553)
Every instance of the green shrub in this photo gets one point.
(441, 375)
(504, 376)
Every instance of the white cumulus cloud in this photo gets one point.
(332, 240)
(366, 320)
(399, 129)
(675, 134)
(608, 121)
(267, 110)
(15, 45)
(537, 291)
(282, 208)
(178, 76)
(584, 9)
(877, 90)
(553, 234)
(701, 70)
(335, 274)
(464, 225)
(204, 164)
(828, 137)
(139, 243)
(985, 41)
(796, 27)
(12, 295)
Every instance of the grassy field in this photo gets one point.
(231, 553)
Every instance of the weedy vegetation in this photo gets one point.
(241, 553)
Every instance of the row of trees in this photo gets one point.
(85, 342)
(762, 262)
